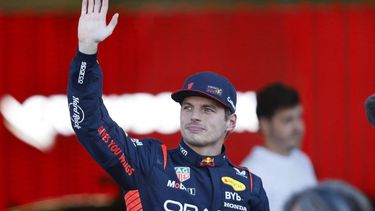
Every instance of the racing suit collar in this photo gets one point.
(201, 160)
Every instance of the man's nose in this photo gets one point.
(195, 115)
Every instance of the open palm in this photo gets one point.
(92, 27)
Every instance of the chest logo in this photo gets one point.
(241, 173)
(208, 161)
(183, 173)
(236, 185)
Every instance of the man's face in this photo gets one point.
(285, 129)
(203, 121)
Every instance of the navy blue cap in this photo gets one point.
(211, 85)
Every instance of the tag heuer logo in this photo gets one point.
(183, 173)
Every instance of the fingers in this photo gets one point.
(94, 6)
(97, 6)
(84, 7)
(104, 8)
(90, 8)
(111, 26)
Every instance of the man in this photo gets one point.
(370, 109)
(283, 167)
(197, 175)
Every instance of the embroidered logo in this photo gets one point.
(183, 173)
(236, 185)
(241, 173)
(214, 90)
(208, 161)
(190, 85)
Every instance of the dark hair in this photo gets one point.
(274, 97)
(330, 196)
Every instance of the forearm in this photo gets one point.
(84, 90)
(91, 122)
(96, 131)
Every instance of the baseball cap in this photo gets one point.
(211, 85)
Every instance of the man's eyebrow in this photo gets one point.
(209, 106)
(205, 105)
(185, 103)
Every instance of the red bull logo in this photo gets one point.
(208, 161)
(214, 90)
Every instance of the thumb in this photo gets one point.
(112, 24)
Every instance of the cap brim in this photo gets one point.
(180, 95)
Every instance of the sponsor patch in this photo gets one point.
(208, 161)
(180, 186)
(183, 173)
(82, 71)
(231, 103)
(232, 196)
(214, 90)
(171, 205)
(183, 151)
(77, 112)
(190, 85)
(241, 173)
(236, 185)
(136, 142)
(235, 206)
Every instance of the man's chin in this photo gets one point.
(194, 141)
(195, 135)
(295, 145)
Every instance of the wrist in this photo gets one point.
(88, 48)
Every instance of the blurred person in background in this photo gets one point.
(195, 176)
(329, 196)
(283, 167)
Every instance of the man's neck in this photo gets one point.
(211, 150)
(277, 149)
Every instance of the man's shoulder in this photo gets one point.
(147, 142)
(301, 155)
(243, 174)
(258, 156)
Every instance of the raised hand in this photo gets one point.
(92, 26)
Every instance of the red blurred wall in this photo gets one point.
(326, 52)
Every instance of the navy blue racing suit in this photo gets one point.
(153, 178)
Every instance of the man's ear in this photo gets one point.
(232, 121)
(264, 125)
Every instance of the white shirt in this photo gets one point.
(282, 176)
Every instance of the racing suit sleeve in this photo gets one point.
(263, 200)
(259, 200)
(127, 160)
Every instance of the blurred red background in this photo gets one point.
(326, 52)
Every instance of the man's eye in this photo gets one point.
(186, 108)
(288, 120)
(208, 110)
